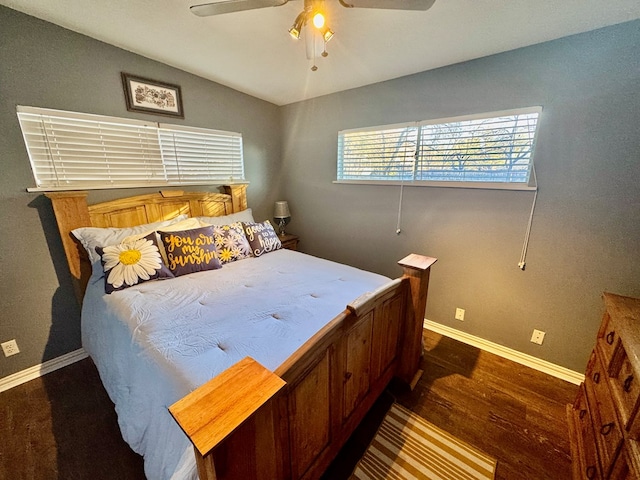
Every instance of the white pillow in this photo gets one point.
(243, 216)
(187, 224)
(92, 237)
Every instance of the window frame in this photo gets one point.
(530, 185)
(149, 165)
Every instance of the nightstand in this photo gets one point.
(289, 241)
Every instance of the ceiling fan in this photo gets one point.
(313, 12)
(229, 6)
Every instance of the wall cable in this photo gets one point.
(525, 246)
(398, 230)
(413, 168)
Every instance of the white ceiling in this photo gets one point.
(252, 52)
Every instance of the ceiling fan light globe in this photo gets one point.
(318, 20)
(294, 32)
(327, 34)
(296, 28)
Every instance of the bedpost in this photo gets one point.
(416, 269)
(238, 196)
(71, 211)
(231, 422)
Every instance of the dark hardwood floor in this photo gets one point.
(511, 412)
(63, 425)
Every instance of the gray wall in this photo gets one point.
(585, 237)
(46, 66)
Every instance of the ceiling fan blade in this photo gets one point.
(229, 6)
(389, 4)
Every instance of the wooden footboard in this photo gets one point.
(249, 423)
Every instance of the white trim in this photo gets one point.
(89, 117)
(428, 144)
(427, 183)
(37, 371)
(434, 121)
(522, 358)
(483, 115)
(504, 352)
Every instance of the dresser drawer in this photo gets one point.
(606, 429)
(625, 385)
(608, 338)
(627, 466)
(585, 457)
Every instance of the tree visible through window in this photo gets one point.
(488, 148)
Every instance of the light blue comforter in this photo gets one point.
(156, 342)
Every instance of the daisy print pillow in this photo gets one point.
(132, 262)
(231, 243)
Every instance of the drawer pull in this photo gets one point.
(596, 377)
(591, 472)
(610, 337)
(627, 383)
(606, 429)
(583, 412)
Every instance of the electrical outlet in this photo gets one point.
(537, 337)
(459, 313)
(10, 348)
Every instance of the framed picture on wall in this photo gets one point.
(151, 96)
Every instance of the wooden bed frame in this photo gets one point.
(250, 423)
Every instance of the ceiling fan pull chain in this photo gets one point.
(313, 40)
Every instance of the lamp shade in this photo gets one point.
(282, 210)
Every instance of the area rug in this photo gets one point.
(408, 447)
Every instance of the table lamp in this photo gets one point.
(282, 216)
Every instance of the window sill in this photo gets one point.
(474, 185)
(141, 185)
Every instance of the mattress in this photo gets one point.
(155, 342)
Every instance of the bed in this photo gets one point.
(259, 369)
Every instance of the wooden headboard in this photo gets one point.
(72, 211)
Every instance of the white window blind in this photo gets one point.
(195, 154)
(386, 153)
(69, 150)
(491, 148)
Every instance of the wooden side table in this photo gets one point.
(289, 241)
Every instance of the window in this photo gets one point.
(487, 150)
(70, 150)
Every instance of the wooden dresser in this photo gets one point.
(604, 423)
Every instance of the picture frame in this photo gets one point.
(151, 96)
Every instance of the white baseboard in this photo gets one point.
(522, 358)
(36, 371)
(513, 355)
